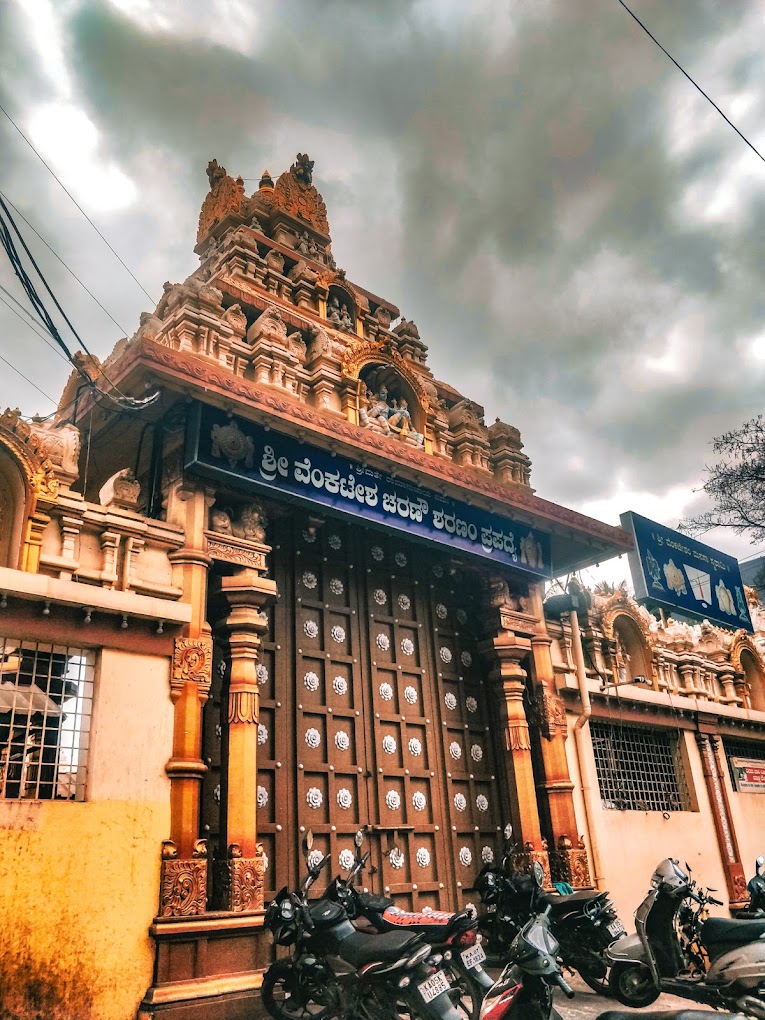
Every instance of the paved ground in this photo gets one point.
(586, 1005)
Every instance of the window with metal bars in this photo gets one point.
(46, 697)
(639, 769)
(742, 749)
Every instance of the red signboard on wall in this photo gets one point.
(749, 775)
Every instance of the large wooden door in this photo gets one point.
(375, 714)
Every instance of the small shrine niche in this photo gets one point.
(388, 404)
(341, 309)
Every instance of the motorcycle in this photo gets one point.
(584, 923)
(756, 889)
(453, 935)
(715, 961)
(524, 989)
(336, 971)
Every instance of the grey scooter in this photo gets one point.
(652, 961)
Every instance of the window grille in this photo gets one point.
(742, 749)
(639, 769)
(46, 697)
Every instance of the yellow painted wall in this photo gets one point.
(79, 882)
(631, 843)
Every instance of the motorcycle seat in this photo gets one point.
(359, 947)
(723, 929)
(437, 924)
(369, 901)
(560, 903)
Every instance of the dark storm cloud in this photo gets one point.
(534, 183)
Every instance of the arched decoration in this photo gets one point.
(628, 637)
(384, 353)
(746, 660)
(29, 487)
(341, 307)
(388, 400)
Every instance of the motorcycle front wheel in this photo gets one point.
(632, 984)
(285, 997)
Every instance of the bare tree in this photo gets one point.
(735, 484)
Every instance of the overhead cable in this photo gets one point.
(6, 239)
(694, 83)
(71, 196)
(26, 379)
(66, 267)
(28, 322)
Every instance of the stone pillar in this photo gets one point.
(184, 856)
(568, 859)
(505, 651)
(730, 854)
(241, 599)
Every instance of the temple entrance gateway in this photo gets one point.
(374, 713)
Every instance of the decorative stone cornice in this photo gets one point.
(295, 415)
(28, 449)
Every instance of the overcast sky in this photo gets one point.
(577, 233)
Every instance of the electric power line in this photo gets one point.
(16, 370)
(71, 196)
(28, 322)
(70, 271)
(695, 84)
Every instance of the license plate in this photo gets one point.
(434, 986)
(473, 956)
(616, 928)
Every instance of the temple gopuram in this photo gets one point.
(308, 584)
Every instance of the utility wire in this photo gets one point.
(16, 370)
(6, 239)
(66, 267)
(28, 322)
(71, 196)
(695, 84)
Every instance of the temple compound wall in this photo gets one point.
(304, 588)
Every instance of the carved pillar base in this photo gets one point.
(183, 884)
(570, 864)
(523, 860)
(240, 881)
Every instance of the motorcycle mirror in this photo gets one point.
(688, 867)
(538, 874)
(307, 842)
(508, 832)
(358, 839)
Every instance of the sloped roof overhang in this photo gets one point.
(578, 541)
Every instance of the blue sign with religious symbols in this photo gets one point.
(222, 446)
(676, 572)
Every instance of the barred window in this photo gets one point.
(46, 696)
(742, 749)
(639, 769)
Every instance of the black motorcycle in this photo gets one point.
(336, 971)
(585, 923)
(524, 989)
(453, 935)
(755, 911)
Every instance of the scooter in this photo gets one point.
(756, 889)
(453, 935)
(585, 923)
(723, 967)
(524, 989)
(336, 971)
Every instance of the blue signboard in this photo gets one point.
(676, 572)
(243, 452)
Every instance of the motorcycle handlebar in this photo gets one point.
(693, 896)
(564, 986)
(717, 903)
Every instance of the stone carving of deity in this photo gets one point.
(346, 322)
(333, 311)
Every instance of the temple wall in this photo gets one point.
(631, 843)
(748, 812)
(79, 882)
